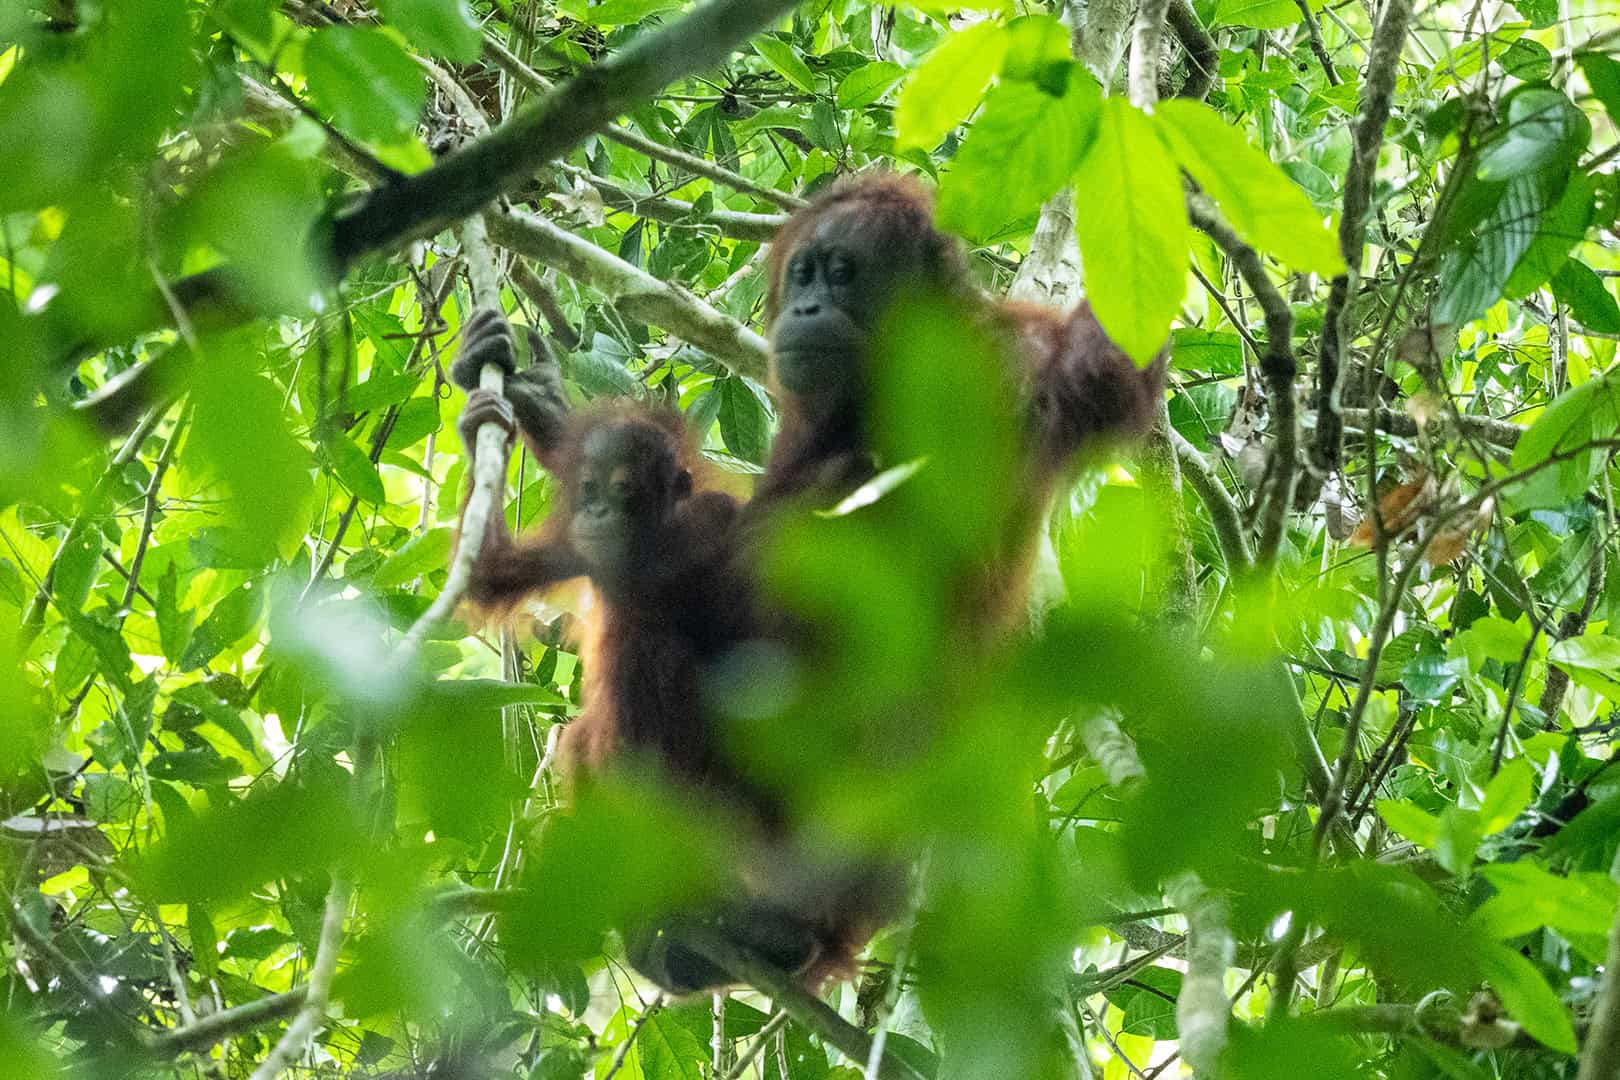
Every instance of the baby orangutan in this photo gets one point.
(668, 601)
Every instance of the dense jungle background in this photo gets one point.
(1305, 767)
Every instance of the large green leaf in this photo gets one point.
(1260, 14)
(369, 85)
(1602, 73)
(1132, 227)
(1266, 208)
(946, 86)
(1528, 998)
(1562, 227)
(1023, 148)
(787, 62)
(1588, 299)
(1543, 131)
(1577, 417)
(444, 28)
(1474, 273)
(868, 83)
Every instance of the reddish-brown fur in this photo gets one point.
(1078, 390)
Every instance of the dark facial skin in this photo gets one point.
(834, 289)
(626, 489)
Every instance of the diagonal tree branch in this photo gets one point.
(633, 291)
(697, 166)
(463, 183)
(507, 158)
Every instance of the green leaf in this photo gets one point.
(1540, 13)
(444, 28)
(1527, 60)
(1023, 147)
(174, 625)
(419, 555)
(1575, 416)
(1143, 239)
(1219, 352)
(617, 12)
(1602, 73)
(1595, 652)
(77, 567)
(108, 644)
(743, 425)
(668, 1051)
(947, 85)
(353, 466)
(1528, 998)
(1562, 227)
(1543, 131)
(787, 62)
(369, 85)
(1266, 208)
(1498, 638)
(227, 624)
(868, 83)
(1260, 14)
(1422, 828)
(1528, 898)
(1588, 299)
(1506, 796)
(1473, 273)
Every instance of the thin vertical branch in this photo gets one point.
(1389, 37)
(296, 1039)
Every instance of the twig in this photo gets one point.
(218, 1026)
(298, 1034)
(541, 296)
(737, 224)
(527, 76)
(623, 1051)
(788, 994)
(1389, 36)
(1496, 432)
(633, 291)
(761, 1041)
(1315, 30)
(489, 461)
(149, 509)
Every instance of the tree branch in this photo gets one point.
(788, 995)
(737, 224)
(1503, 433)
(633, 291)
(1223, 512)
(313, 1011)
(527, 76)
(507, 158)
(1203, 58)
(1378, 91)
(1277, 366)
(463, 183)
